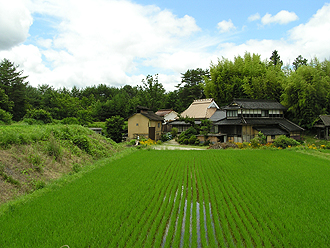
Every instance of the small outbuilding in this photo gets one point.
(145, 124)
(322, 127)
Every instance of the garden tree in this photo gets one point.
(192, 86)
(299, 61)
(205, 128)
(276, 58)
(12, 82)
(152, 93)
(307, 93)
(34, 97)
(114, 127)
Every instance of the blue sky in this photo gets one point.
(116, 42)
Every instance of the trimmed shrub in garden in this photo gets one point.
(283, 142)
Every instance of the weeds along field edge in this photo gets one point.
(228, 198)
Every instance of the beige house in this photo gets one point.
(145, 124)
(201, 109)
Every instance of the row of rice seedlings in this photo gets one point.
(186, 238)
(181, 217)
(209, 230)
(161, 210)
(139, 216)
(172, 225)
(150, 211)
(203, 239)
(221, 226)
(194, 216)
(252, 203)
(242, 220)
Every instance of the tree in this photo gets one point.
(114, 127)
(192, 86)
(5, 103)
(12, 82)
(299, 61)
(275, 58)
(152, 93)
(307, 93)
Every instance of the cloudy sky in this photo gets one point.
(64, 43)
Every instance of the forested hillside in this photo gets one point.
(303, 87)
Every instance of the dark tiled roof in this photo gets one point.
(226, 122)
(152, 116)
(325, 119)
(271, 131)
(218, 115)
(255, 104)
(182, 123)
(282, 122)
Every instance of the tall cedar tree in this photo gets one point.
(12, 82)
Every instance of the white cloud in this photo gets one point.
(254, 17)
(15, 21)
(282, 17)
(226, 26)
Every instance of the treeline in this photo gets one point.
(304, 88)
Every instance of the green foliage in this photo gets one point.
(5, 117)
(39, 184)
(283, 142)
(166, 136)
(174, 131)
(70, 121)
(54, 148)
(76, 168)
(114, 128)
(13, 85)
(82, 141)
(39, 115)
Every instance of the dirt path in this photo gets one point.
(173, 145)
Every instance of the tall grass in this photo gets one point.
(231, 198)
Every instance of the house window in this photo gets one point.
(158, 125)
(232, 113)
(264, 113)
(137, 124)
(273, 137)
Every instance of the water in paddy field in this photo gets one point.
(188, 220)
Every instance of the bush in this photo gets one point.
(82, 142)
(174, 131)
(192, 140)
(70, 121)
(5, 117)
(165, 137)
(114, 127)
(283, 142)
(40, 115)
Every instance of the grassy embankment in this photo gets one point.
(32, 156)
(226, 198)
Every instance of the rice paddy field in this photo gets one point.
(213, 198)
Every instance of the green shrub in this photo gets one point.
(70, 121)
(5, 117)
(54, 148)
(114, 127)
(174, 131)
(283, 142)
(40, 115)
(82, 142)
(255, 142)
(192, 140)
